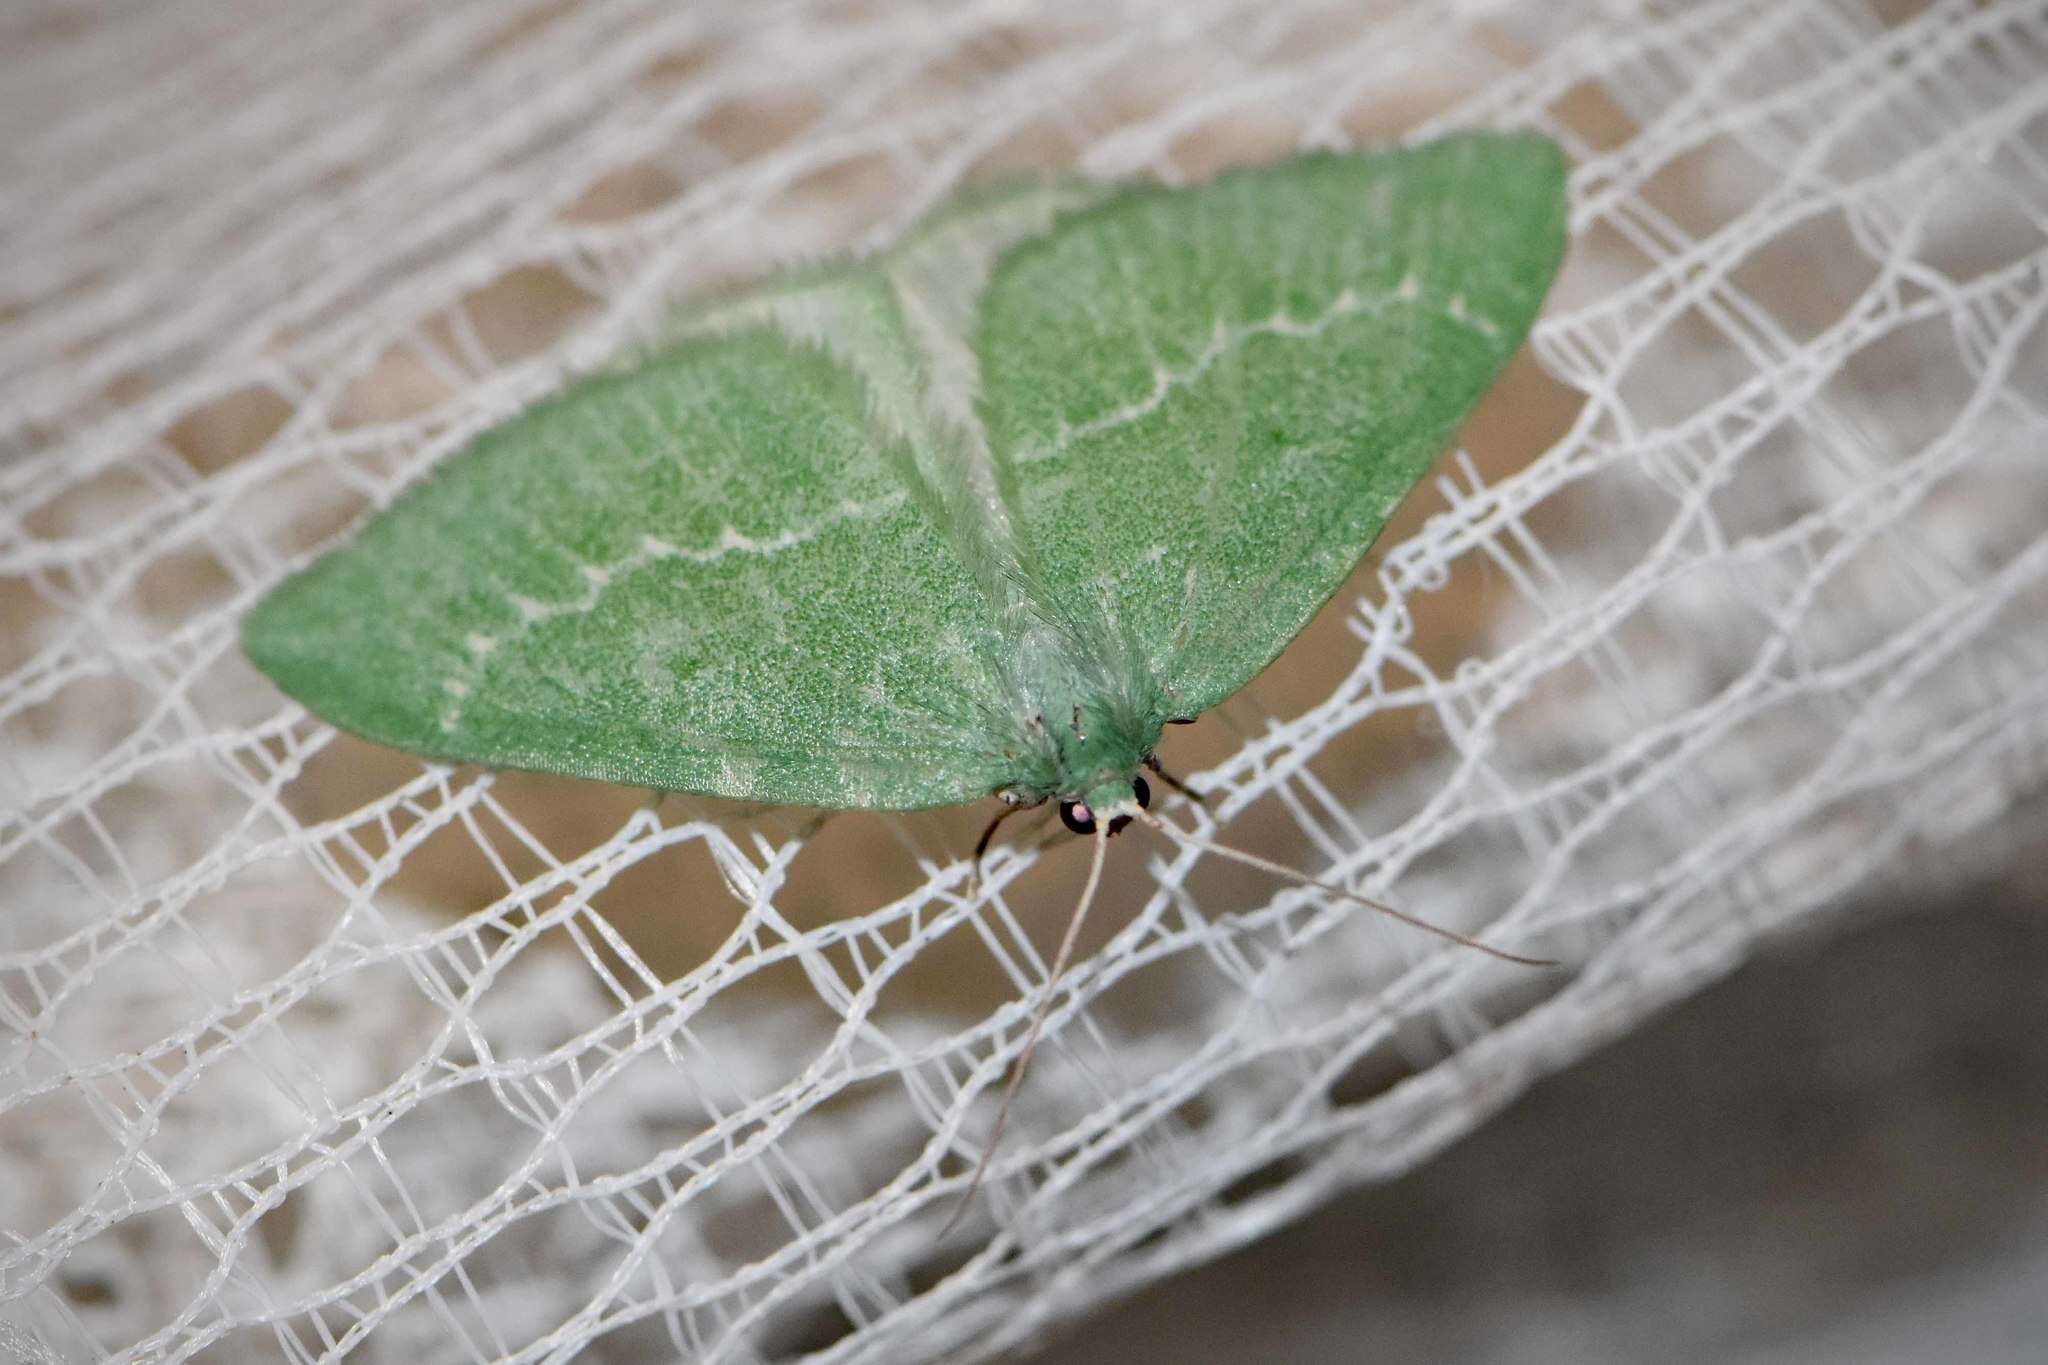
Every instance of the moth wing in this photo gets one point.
(705, 574)
(1205, 403)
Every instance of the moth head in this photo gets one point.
(1116, 801)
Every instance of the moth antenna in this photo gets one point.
(1181, 836)
(1059, 966)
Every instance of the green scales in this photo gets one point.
(976, 516)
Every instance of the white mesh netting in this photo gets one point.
(1733, 608)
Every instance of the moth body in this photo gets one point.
(1087, 718)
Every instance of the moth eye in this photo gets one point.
(1143, 793)
(1077, 817)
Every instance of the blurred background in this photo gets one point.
(1833, 1156)
(1714, 654)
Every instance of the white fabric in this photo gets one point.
(1733, 610)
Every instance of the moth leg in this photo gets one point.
(1152, 762)
(1009, 809)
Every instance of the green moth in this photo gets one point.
(975, 516)
(979, 515)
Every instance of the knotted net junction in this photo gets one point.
(1729, 615)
